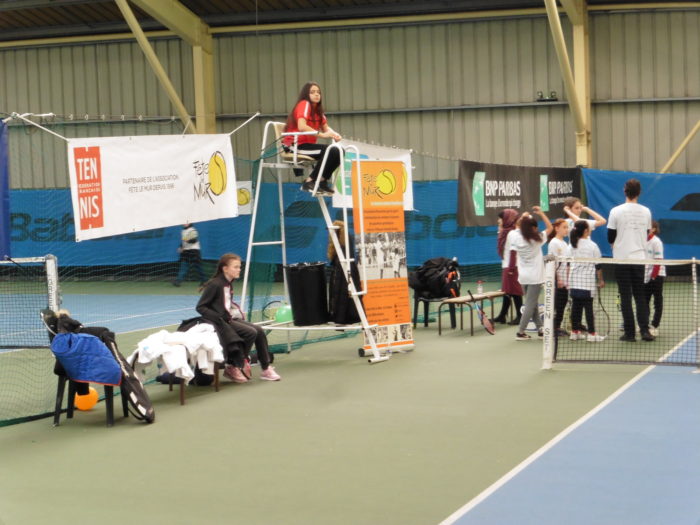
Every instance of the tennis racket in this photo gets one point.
(485, 321)
(602, 319)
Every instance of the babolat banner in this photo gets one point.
(486, 189)
(4, 194)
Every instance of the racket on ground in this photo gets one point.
(602, 319)
(485, 321)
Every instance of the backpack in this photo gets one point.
(435, 278)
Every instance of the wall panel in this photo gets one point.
(464, 89)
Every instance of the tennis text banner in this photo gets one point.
(130, 184)
(486, 189)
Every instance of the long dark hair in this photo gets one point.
(304, 95)
(223, 261)
(528, 229)
(580, 228)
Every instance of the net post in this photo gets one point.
(549, 289)
(52, 282)
(695, 312)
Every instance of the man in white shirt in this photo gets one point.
(628, 229)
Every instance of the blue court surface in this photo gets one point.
(635, 459)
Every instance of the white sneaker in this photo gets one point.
(595, 338)
(576, 335)
(653, 331)
(269, 374)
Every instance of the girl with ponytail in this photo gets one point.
(582, 282)
(528, 243)
(559, 248)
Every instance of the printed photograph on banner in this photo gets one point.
(381, 196)
(391, 335)
(384, 255)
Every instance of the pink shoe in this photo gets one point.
(234, 374)
(246, 369)
(270, 375)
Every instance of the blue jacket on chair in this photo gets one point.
(86, 359)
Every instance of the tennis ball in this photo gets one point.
(217, 174)
(284, 314)
(386, 182)
(87, 401)
(404, 179)
(243, 196)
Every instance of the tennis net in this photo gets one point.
(621, 311)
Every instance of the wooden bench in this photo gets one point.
(466, 300)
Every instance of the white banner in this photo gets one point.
(372, 152)
(129, 184)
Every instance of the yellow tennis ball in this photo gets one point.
(243, 196)
(404, 179)
(386, 182)
(217, 174)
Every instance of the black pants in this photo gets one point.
(561, 297)
(317, 151)
(578, 306)
(232, 342)
(505, 306)
(655, 289)
(252, 334)
(630, 283)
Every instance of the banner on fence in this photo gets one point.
(486, 189)
(402, 179)
(131, 184)
(674, 201)
(4, 194)
(382, 254)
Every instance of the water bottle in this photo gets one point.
(479, 287)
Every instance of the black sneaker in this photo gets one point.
(628, 338)
(308, 185)
(324, 187)
(646, 336)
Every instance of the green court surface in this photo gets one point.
(336, 441)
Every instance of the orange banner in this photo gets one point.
(382, 251)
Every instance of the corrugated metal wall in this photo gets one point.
(450, 90)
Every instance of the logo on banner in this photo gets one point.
(478, 193)
(88, 169)
(544, 192)
(210, 177)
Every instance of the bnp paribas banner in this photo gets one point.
(486, 189)
(131, 184)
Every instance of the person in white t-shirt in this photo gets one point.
(559, 248)
(528, 242)
(628, 230)
(654, 276)
(574, 208)
(584, 279)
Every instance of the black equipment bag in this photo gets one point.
(437, 277)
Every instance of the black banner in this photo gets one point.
(486, 189)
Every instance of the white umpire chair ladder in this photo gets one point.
(289, 160)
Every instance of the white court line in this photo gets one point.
(545, 448)
(568, 430)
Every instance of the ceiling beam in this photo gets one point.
(180, 20)
(14, 5)
(574, 10)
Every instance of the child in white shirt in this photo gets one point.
(582, 282)
(558, 247)
(654, 277)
